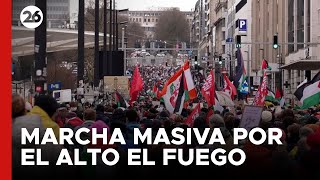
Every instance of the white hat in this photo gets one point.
(266, 116)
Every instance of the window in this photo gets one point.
(148, 20)
(156, 20)
(139, 19)
(240, 5)
(145, 20)
(152, 20)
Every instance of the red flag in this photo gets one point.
(208, 89)
(194, 114)
(229, 87)
(264, 64)
(262, 92)
(136, 85)
(278, 94)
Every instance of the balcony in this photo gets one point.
(221, 4)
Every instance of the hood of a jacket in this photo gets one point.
(47, 122)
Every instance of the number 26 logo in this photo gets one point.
(31, 17)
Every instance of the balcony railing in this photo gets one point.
(220, 4)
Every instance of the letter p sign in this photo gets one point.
(242, 25)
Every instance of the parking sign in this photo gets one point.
(242, 25)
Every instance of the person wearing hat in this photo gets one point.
(266, 120)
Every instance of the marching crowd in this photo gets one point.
(157, 76)
(299, 156)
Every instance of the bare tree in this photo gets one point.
(58, 71)
(134, 33)
(172, 27)
(89, 19)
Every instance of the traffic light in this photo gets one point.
(196, 60)
(220, 60)
(275, 42)
(13, 67)
(238, 41)
(39, 86)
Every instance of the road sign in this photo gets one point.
(242, 25)
(54, 86)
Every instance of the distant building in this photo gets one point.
(198, 23)
(148, 19)
(58, 11)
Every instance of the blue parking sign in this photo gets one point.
(243, 25)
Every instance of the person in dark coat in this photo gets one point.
(100, 115)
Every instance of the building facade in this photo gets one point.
(303, 58)
(58, 12)
(149, 19)
(198, 23)
(268, 20)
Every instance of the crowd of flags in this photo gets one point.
(179, 90)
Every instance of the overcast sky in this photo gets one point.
(184, 5)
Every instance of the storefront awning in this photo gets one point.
(303, 65)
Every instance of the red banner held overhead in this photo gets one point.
(136, 85)
(208, 89)
(194, 114)
(262, 92)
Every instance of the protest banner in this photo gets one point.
(251, 117)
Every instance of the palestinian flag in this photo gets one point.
(270, 96)
(309, 93)
(265, 65)
(120, 101)
(178, 90)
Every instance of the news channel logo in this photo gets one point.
(31, 17)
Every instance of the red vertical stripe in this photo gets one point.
(5, 90)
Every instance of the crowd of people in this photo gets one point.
(298, 156)
(158, 75)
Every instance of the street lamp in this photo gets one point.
(117, 24)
